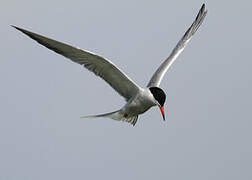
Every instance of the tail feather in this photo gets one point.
(111, 115)
(116, 115)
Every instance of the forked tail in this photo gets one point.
(116, 115)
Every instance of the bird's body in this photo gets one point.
(139, 104)
(138, 99)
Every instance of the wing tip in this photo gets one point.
(198, 20)
(203, 6)
(16, 27)
(203, 9)
(21, 30)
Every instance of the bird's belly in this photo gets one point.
(135, 110)
(138, 106)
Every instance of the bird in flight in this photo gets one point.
(138, 99)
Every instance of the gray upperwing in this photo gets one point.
(97, 64)
(159, 74)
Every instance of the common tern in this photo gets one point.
(138, 99)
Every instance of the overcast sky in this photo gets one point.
(207, 134)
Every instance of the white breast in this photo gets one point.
(143, 101)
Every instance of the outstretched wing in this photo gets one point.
(159, 74)
(97, 64)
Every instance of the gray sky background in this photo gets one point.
(207, 134)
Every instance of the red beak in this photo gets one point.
(162, 111)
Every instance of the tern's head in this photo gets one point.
(160, 97)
